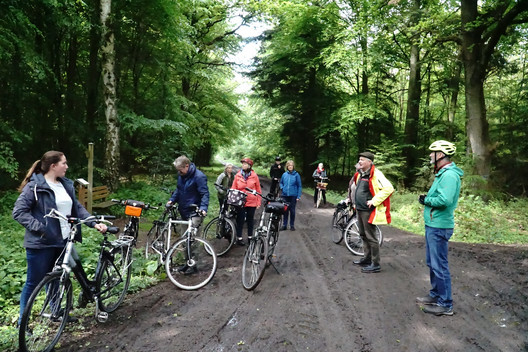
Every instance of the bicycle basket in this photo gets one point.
(236, 198)
(322, 185)
(133, 207)
(276, 208)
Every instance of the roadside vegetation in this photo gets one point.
(495, 222)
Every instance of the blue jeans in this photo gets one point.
(291, 210)
(436, 257)
(245, 214)
(39, 263)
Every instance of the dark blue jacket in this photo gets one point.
(290, 184)
(35, 201)
(191, 189)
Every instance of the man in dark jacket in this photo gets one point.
(276, 172)
(191, 189)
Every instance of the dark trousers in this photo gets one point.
(368, 235)
(39, 263)
(290, 212)
(245, 214)
(274, 189)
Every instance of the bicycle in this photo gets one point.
(321, 186)
(262, 244)
(343, 214)
(220, 232)
(190, 263)
(48, 307)
(353, 240)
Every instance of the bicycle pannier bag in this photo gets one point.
(236, 198)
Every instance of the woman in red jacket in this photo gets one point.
(246, 177)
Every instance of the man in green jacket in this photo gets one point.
(440, 203)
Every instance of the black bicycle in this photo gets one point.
(262, 244)
(343, 214)
(220, 232)
(48, 307)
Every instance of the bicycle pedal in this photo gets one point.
(102, 317)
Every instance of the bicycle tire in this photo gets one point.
(155, 241)
(196, 272)
(255, 260)
(46, 312)
(319, 198)
(338, 226)
(353, 239)
(220, 239)
(113, 278)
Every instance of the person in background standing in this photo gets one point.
(276, 172)
(372, 199)
(439, 216)
(225, 179)
(291, 187)
(45, 187)
(246, 177)
(319, 173)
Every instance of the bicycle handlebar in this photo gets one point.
(55, 214)
(254, 192)
(135, 203)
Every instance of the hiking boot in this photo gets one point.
(363, 262)
(372, 268)
(240, 242)
(438, 310)
(292, 228)
(427, 300)
(283, 228)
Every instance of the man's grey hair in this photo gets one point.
(181, 162)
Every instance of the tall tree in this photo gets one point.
(112, 156)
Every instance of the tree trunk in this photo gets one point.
(92, 79)
(112, 156)
(475, 70)
(412, 118)
(454, 89)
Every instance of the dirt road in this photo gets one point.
(320, 301)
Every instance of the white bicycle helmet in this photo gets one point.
(445, 147)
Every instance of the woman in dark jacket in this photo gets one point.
(43, 189)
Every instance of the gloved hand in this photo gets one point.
(421, 199)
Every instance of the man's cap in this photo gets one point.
(277, 158)
(367, 155)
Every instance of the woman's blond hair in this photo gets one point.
(288, 163)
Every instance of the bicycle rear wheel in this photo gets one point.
(338, 226)
(353, 239)
(220, 233)
(191, 263)
(46, 313)
(113, 278)
(255, 261)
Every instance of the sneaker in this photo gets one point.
(240, 242)
(427, 300)
(438, 310)
(372, 268)
(187, 270)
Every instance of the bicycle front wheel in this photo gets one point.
(255, 261)
(319, 198)
(220, 233)
(46, 313)
(113, 278)
(338, 226)
(191, 263)
(155, 242)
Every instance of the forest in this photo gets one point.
(148, 80)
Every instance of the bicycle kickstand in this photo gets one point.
(274, 267)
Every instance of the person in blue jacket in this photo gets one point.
(45, 187)
(191, 188)
(291, 187)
